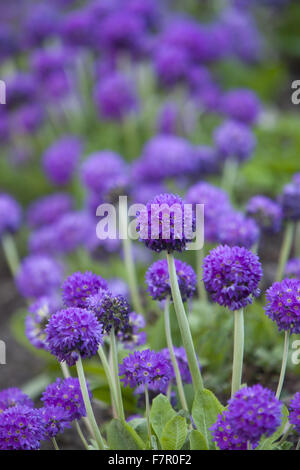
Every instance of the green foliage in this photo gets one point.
(161, 413)
(121, 436)
(174, 433)
(197, 441)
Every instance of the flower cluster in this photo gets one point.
(21, 428)
(36, 321)
(10, 214)
(236, 229)
(11, 397)
(294, 408)
(55, 420)
(111, 311)
(79, 286)
(290, 201)
(267, 213)
(134, 337)
(283, 305)
(292, 268)
(182, 362)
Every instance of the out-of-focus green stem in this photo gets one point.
(110, 380)
(114, 355)
(11, 254)
(230, 175)
(55, 443)
(201, 288)
(285, 250)
(284, 363)
(238, 351)
(148, 413)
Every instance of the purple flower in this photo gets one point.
(234, 140)
(252, 412)
(9, 42)
(21, 428)
(267, 213)
(182, 362)
(67, 395)
(145, 367)
(41, 24)
(290, 201)
(294, 408)
(20, 91)
(206, 161)
(79, 286)
(215, 201)
(61, 159)
(49, 209)
(36, 321)
(236, 229)
(55, 420)
(283, 305)
(144, 192)
(296, 178)
(158, 281)
(168, 121)
(73, 331)
(76, 28)
(171, 64)
(166, 224)
(115, 97)
(293, 268)
(231, 275)
(111, 311)
(134, 337)
(10, 214)
(38, 275)
(11, 397)
(241, 105)
(118, 287)
(43, 241)
(73, 230)
(225, 436)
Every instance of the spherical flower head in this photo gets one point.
(206, 161)
(144, 192)
(115, 97)
(11, 397)
(79, 286)
(133, 337)
(294, 409)
(61, 159)
(43, 241)
(48, 209)
(101, 170)
(55, 420)
(166, 223)
(76, 28)
(293, 268)
(290, 201)
(283, 305)
(73, 331)
(39, 275)
(267, 213)
(73, 230)
(145, 367)
(241, 105)
(236, 229)
(10, 214)
(296, 178)
(215, 201)
(171, 64)
(182, 362)
(225, 437)
(20, 91)
(21, 428)
(158, 281)
(234, 140)
(111, 311)
(36, 321)
(67, 395)
(253, 412)
(231, 275)
(41, 24)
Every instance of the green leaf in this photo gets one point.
(174, 434)
(121, 436)
(269, 442)
(197, 441)
(160, 414)
(140, 427)
(205, 411)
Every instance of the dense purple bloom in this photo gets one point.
(224, 435)
(42, 22)
(145, 367)
(49, 209)
(293, 268)
(147, 10)
(28, 118)
(10, 214)
(234, 140)
(169, 119)
(67, 395)
(296, 178)
(283, 305)
(76, 28)
(241, 105)
(158, 281)
(38, 275)
(111, 311)
(171, 64)
(144, 192)
(236, 229)
(115, 97)
(290, 201)
(14, 397)
(267, 213)
(9, 42)
(20, 91)
(61, 159)
(231, 275)
(166, 224)
(134, 337)
(21, 428)
(55, 420)
(79, 286)
(43, 241)
(206, 161)
(118, 286)
(73, 230)
(182, 362)
(73, 331)
(37, 319)
(216, 202)
(294, 408)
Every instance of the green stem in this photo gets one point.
(298, 445)
(80, 433)
(172, 355)
(110, 380)
(285, 250)
(55, 443)
(284, 363)
(286, 434)
(148, 413)
(128, 259)
(229, 175)
(238, 351)
(184, 326)
(65, 370)
(114, 355)
(201, 288)
(87, 403)
(11, 254)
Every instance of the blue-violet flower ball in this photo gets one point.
(293, 268)
(111, 311)
(234, 140)
(290, 201)
(21, 428)
(14, 397)
(10, 214)
(283, 305)
(236, 229)
(79, 286)
(48, 209)
(294, 409)
(61, 159)
(267, 213)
